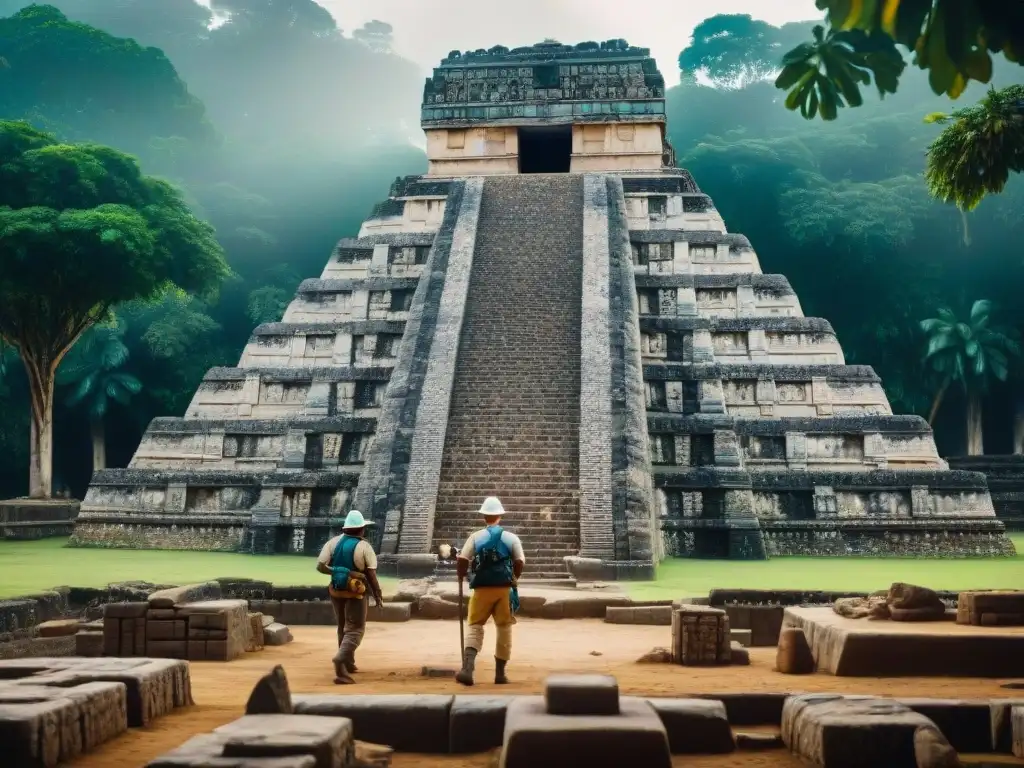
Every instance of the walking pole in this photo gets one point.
(462, 631)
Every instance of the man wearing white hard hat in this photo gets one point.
(352, 565)
(497, 561)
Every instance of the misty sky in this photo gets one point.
(425, 30)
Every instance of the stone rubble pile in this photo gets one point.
(179, 623)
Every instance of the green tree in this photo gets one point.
(978, 149)
(972, 354)
(93, 372)
(952, 39)
(82, 230)
(87, 85)
(735, 50)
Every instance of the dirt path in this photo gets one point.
(392, 655)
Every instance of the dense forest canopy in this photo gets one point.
(284, 130)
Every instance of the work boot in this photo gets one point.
(499, 671)
(341, 670)
(465, 675)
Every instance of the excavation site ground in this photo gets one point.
(392, 656)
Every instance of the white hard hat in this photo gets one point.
(492, 507)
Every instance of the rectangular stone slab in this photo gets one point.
(154, 686)
(850, 732)
(751, 708)
(477, 723)
(967, 725)
(408, 723)
(206, 751)
(859, 648)
(44, 725)
(535, 739)
(581, 695)
(189, 593)
(694, 726)
(327, 739)
(125, 610)
(1001, 711)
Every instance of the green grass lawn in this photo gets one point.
(691, 578)
(31, 566)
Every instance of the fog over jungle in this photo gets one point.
(285, 121)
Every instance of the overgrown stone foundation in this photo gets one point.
(29, 519)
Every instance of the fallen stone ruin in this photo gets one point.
(583, 720)
(54, 710)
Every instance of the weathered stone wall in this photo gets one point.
(383, 482)
(716, 297)
(602, 523)
(438, 369)
(633, 490)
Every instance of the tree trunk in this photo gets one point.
(33, 465)
(40, 386)
(975, 442)
(1018, 433)
(937, 402)
(99, 445)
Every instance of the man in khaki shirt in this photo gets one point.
(497, 558)
(352, 565)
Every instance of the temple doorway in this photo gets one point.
(545, 149)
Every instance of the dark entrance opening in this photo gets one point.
(545, 149)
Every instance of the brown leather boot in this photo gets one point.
(499, 671)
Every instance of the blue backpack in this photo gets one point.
(492, 562)
(343, 564)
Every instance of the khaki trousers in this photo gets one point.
(486, 603)
(350, 613)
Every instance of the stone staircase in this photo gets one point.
(513, 426)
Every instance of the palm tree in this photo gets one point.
(970, 353)
(92, 368)
(975, 154)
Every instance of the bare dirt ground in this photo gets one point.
(392, 655)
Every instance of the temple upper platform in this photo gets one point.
(546, 108)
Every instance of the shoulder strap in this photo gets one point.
(344, 552)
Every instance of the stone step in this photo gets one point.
(513, 425)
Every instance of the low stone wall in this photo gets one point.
(1005, 477)
(761, 610)
(29, 519)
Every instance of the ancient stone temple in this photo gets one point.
(554, 314)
